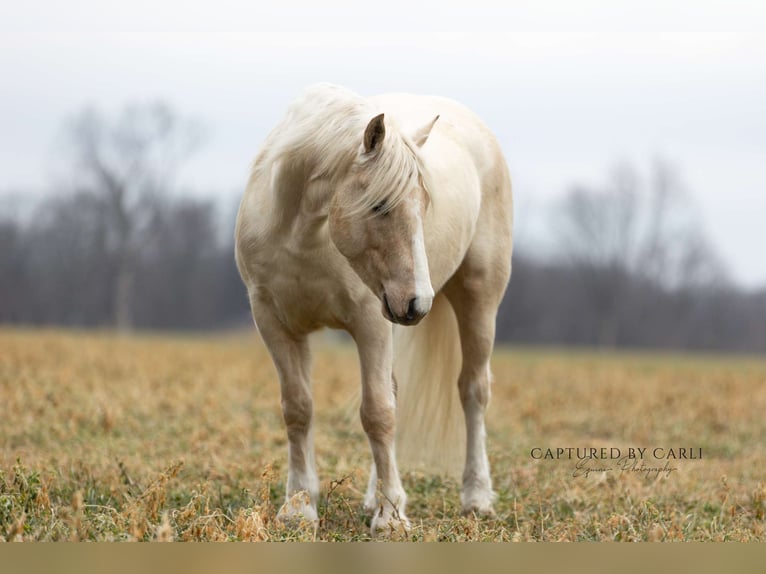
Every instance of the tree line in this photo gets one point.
(632, 267)
(118, 246)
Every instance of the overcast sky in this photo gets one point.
(569, 87)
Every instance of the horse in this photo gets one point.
(389, 217)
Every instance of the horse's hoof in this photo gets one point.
(478, 502)
(479, 511)
(392, 526)
(297, 510)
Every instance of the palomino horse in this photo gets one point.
(360, 213)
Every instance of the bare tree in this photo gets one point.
(126, 165)
(628, 234)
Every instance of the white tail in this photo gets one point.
(430, 423)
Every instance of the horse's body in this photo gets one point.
(354, 222)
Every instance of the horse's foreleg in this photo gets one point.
(378, 414)
(476, 321)
(292, 359)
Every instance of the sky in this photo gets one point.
(569, 88)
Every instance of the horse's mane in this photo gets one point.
(320, 139)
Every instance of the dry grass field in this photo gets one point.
(180, 438)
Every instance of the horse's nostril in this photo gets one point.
(411, 311)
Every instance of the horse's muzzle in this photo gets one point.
(411, 316)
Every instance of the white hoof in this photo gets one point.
(298, 509)
(478, 501)
(390, 524)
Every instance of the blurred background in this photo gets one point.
(635, 134)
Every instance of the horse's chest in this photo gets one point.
(305, 290)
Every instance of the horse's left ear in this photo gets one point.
(374, 134)
(421, 135)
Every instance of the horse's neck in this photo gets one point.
(309, 154)
(301, 203)
(303, 181)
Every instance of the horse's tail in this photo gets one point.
(427, 362)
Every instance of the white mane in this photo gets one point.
(320, 139)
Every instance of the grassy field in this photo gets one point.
(180, 438)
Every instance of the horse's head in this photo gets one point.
(376, 221)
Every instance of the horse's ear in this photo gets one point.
(374, 134)
(421, 135)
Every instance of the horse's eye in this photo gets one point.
(380, 208)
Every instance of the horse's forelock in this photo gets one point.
(389, 175)
(322, 137)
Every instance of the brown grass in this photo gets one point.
(180, 438)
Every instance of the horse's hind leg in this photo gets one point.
(292, 359)
(475, 312)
